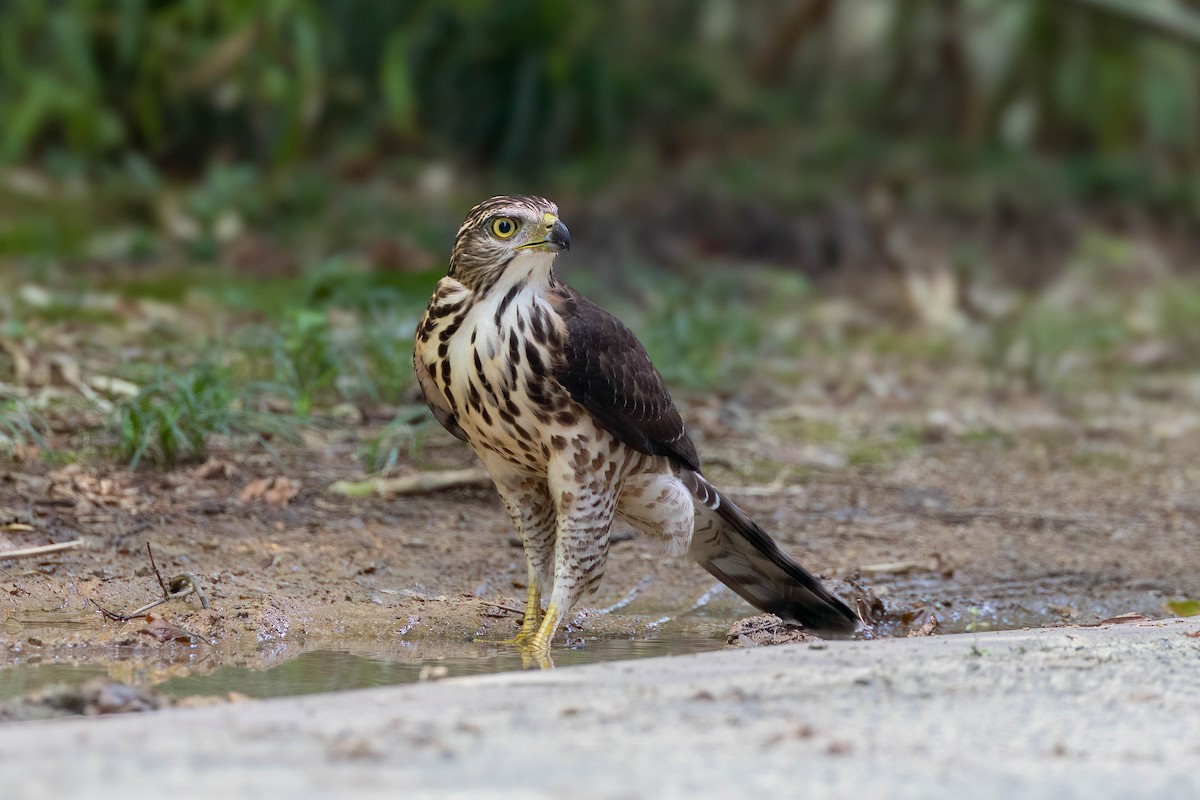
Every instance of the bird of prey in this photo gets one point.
(575, 426)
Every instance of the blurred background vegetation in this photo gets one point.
(1103, 89)
(250, 201)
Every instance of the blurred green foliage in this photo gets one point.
(270, 81)
(217, 157)
(1109, 86)
(20, 428)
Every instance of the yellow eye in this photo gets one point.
(504, 227)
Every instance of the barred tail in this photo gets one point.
(741, 555)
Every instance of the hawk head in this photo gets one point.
(506, 230)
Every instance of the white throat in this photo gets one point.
(531, 267)
(506, 309)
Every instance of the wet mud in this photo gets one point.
(321, 592)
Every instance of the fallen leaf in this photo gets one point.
(215, 468)
(110, 385)
(24, 453)
(929, 628)
(1184, 608)
(931, 564)
(164, 631)
(84, 487)
(1131, 616)
(277, 491)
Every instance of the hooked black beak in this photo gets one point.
(559, 237)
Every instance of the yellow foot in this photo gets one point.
(536, 654)
(529, 625)
(539, 647)
(525, 635)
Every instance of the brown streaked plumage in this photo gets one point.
(575, 426)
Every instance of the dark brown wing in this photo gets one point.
(430, 392)
(606, 370)
(433, 399)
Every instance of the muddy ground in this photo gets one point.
(991, 511)
(983, 512)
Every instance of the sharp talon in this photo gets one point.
(524, 636)
(529, 625)
(534, 640)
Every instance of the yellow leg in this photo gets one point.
(534, 639)
(539, 648)
(533, 607)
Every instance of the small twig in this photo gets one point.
(766, 490)
(108, 614)
(931, 564)
(503, 607)
(69, 371)
(421, 483)
(179, 587)
(141, 612)
(188, 580)
(157, 574)
(30, 552)
(111, 385)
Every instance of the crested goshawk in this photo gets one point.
(573, 423)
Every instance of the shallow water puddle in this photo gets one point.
(309, 665)
(329, 671)
(333, 670)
